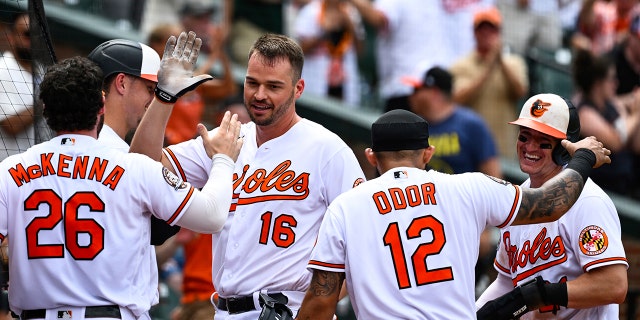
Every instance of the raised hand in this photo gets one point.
(175, 76)
(591, 143)
(226, 139)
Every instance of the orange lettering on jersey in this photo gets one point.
(45, 164)
(552, 251)
(114, 177)
(279, 180)
(399, 199)
(63, 164)
(19, 175)
(67, 167)
(80, 167)
(382, 202)
(97, 169)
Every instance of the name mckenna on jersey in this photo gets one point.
(68, 167)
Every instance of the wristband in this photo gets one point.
(582, 162)
(164, 96)
(557, 294)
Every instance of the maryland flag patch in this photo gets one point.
(593, 240)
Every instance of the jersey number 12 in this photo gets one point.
(392, 238)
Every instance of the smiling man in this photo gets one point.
(574, 267)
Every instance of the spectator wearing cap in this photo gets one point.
(462, 139)
(197, 16)
(463, 143)
(490, 81)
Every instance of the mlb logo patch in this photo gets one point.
(68, 141)
(400, 174)
(64, 314)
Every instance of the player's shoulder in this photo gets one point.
(593, 192)
(318, 132)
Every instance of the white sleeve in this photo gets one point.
(210, 207)
(501, 285)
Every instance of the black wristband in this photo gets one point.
(582, 161)
(557, 294)
(165, 96)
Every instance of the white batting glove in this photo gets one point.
(175, 76)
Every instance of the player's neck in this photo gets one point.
(276, 129)
(90, 133)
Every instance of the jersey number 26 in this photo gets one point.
(67, 212)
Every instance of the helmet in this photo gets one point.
(552, 115)
(126, 56)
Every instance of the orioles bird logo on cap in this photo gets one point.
(539, 107)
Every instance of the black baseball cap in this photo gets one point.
(436, 77)
(399, 129)
(126, 56)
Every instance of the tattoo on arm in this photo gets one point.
(552, 200)
(326, 283)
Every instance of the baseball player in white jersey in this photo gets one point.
(407, 241)
(75, 208)
(288, 172)
(581, 253)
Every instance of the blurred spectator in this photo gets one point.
(602, 24)
(190, 109)
(458, 26)
(330, 34)
(626, 57)
(603, 115)
(462, 139)
(531, 23)
(409, 34)
(248, 20)
(490, 81)
(16, 89)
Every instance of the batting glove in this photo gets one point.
(175, 76)
(527, 297)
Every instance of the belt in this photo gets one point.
(245, 303)
(89, 312)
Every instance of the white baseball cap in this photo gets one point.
(547, 113)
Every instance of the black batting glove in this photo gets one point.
(175, 76)
(527, 297)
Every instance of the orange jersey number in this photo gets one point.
(393, 239)
(68, 213)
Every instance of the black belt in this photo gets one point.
(245, 303)
(89, 312)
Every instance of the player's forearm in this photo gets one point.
(501, 285)
(149, 136)
(600, 286)
(322, 296)
(556, 196)
(209, 209)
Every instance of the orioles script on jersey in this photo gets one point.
(278, 181)
(398, 199)
(79, 168)
(550, 251)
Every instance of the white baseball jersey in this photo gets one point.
(281, 192)
(408, 241)
(110, 138)
(73, 209)
(588, 236)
